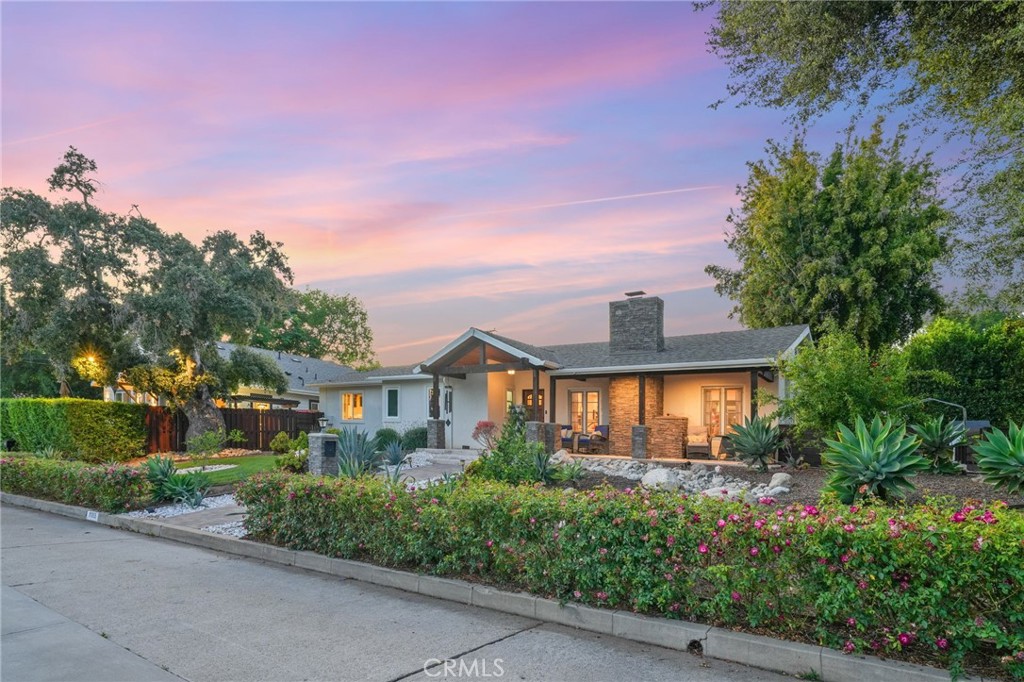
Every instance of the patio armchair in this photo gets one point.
(595, 442)
(567, 437)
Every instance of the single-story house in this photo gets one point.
(682, 389)
(302, 373)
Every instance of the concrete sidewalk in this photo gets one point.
(205, 615)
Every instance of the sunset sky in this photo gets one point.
(452, 165)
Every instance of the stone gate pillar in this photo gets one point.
(323, 454)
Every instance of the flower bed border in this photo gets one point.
(737, 647)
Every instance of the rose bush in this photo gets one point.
(111, 488)
(937, 580)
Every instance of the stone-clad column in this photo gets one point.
(323, 454)
(435, 434)
(543, 433)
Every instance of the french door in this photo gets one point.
(723, 407)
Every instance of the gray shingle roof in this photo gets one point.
(724, 347)
(299, 370)
(351, 376)
(719, 347)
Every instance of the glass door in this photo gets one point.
(533, 414)
(584, 410)
(723, 407)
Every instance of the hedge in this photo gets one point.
(935, 582)
(112, 488)
(91, 430)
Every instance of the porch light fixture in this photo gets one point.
(511, 372)
(323, 424)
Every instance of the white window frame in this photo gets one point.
(398, 404)
(362, 406)
(588, 428)
(722, 427)
(314, 404)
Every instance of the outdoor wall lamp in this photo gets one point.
(323, 424)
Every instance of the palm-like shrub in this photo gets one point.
(872, 460)
(938, 438)
(1000, 457)
(756, 441)
(357, 453)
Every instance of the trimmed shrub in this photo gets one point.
(90, 430)
(113, 488)
(281, 443)
(294, 462)
(385, 436)
(863, 579)
(415, 438)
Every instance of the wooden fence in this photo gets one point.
(167, 427)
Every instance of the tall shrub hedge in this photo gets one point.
(933, 581)
(111, 488)
(91, 430)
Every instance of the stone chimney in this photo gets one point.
(636, 324)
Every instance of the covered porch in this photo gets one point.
(640, 412)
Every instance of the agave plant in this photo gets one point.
(570, 472)
(394, 454)
(1000, 456)
(158, 470)
(873, 460)
(756, 441)
(543, 468)
(188, 489)
(938, 438)
(393, 475)
(357, 453)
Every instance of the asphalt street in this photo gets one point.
(82, 602)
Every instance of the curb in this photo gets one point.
(793, 658)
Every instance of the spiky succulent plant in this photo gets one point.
(1000, 456)
(756, 441)
(872, 461)
(938, 438)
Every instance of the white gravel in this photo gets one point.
(169, 510)
(235, 529)
(210, 467)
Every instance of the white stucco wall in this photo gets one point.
(683, 393)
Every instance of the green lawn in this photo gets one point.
(244, 467)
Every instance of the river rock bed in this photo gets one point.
(692, 480)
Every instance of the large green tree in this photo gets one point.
(108, 295)
(846, 242)
(953, 66)
(319, 324)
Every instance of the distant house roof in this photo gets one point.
(715, 351)
(371, 376)
(301, 372)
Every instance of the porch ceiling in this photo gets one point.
(476, 351)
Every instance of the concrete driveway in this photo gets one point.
(84, 602)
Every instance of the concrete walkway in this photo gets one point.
(171, 611)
